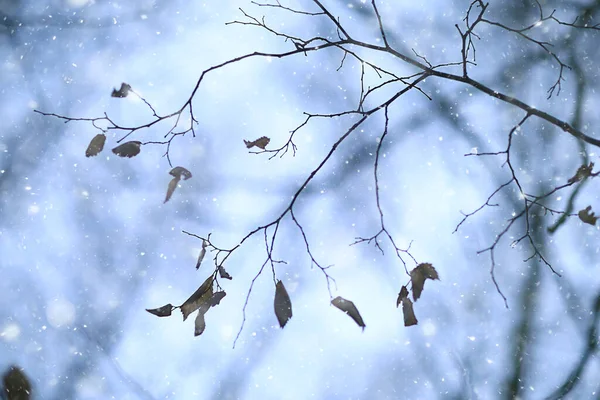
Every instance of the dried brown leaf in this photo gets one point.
(199, 323)
(96, 145)
(16, 384)
(409, 314)
(163, 311)
(402, 295)
(417, 280)
(122, 92)
(128, 149)
(349, 308)
(261, 142)
(170, 190)
(200, 256)
(428, 271)
(180, 172)
(583, 172)
(282, 304)
(223, 274)
(216, 298)
(200, 298)
(587, 215)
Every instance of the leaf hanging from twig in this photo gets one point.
(202, 251)
(587, 215)
(282, 304)
(180, 172)
(223, 274)
(261, 142)
(402, 295)
(128, 149)
(200, 298)
(199, 323)
(170, 190)
(583, 172)
(349, 308)
(122, 92)
(163, 311)
(96, 145)
(216, 298)
(407, 310)
(418, 276)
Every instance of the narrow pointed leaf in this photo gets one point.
(409, 315)
(96, 145)
(163, 311)
(128, 149)
(282, 304)
(349, 308)
(170, 190)
(122, 92)
(200, 257)
(201, 297)
(180, 172)
(223, 274)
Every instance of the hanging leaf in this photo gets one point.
(417, 282)
(216, 298)
(201, 297)
(164, 311)
(180, 172)
(96, 145)
(349, 308)
(402, 295)
(587, 216)
(282, 304)
(223, 274)
(122, 92)
(202, 254)
(199, 324)
(418, 276)
(409, 315)
(261, 142)
(428, 271)
(128, 149)
(170, 190)
(583, 172)
(16, 384)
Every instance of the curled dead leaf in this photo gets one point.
(408, 312)
(223, 274)
(587, 216)
(170, 190)
(201, 298)
(200, 257)
(402, 295)
(163, 311)
(128, 149)
(199, 323)
(261, 142)
(96, 145)
(583, 172)
(122, 92)
(418, 276)
(180, 172)
(216, 298)
(282, 304)
(349, 308)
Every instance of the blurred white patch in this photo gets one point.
(90, 387)
(10, 332)
(33, 209)
(429, 328)
(77, 3)
(60, 312)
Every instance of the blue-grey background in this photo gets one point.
(86, 243)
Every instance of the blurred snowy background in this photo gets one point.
(87, 244)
